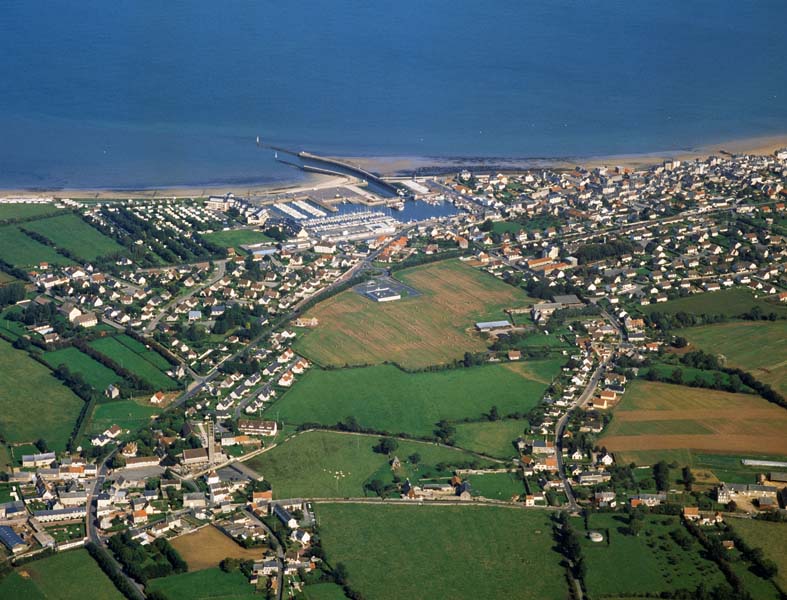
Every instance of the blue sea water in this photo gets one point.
(133, 93)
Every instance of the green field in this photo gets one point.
(326, 464)
(730, 303)
(72, 575)
(651, 562)
(772, 538)
(127, 414)
(759, 347)
(237, 237)
(22, 251)
(24, 211)
(72, 233)
(493, 438)
(213, 584)
(435, 327)
(388, 399)
(323, 591)
(458, 552)
(131, 355)
(497, 486)
(93, 371)
(33, 403)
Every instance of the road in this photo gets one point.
(221, 267)
(279, 554)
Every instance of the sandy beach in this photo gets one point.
(406, 165)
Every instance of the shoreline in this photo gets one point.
(398, 166)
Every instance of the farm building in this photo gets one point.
(11, 540)
(491, 325)
(383, 294)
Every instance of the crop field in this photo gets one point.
(459, 552)
(93, 371)
(388, 399)
(131, 355)
(759, 347)
(126, 414)
(772, 538)
(653, 562)
(60, 577)
(72, 233)
(237, 237)
(326, 464)
(659, 416)
(208, 584)
(433, 328)
(33, 403)
(731, 303)
(493, 438)
(22, 251)
(24, 211)
(208, 546)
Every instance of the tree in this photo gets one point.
(340, 573)
(486, 225)
(661, 475)
(414, 458)
(635, 523)
(494, 415)
(41, 444)
(387, 446)
(680, 342)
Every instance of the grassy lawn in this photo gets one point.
(652, 562)
(772, 538)
(131, 355)
(325, 464)
(33, 403)
(93, 371)
(237, 237)
(72, 575)
(70, 232)
(459, 552)
(498, 486)
(664, 417)
(127, 414)
(731, 303)
(212, 584)
(388, 399)
(21, 251)
(323, 591)
(23, 211)
(494, 438)
(759, 347)
(433, 328)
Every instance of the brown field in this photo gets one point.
(435, 327)
(659, 416)
(207, 547)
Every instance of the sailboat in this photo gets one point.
(258, 140)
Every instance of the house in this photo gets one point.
(138, 462)
(691, 513)
(301, 536)
(157, 398)
(284, 516)
(38, 460)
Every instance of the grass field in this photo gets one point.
(454, 552)
(651, 562)
(493, 438)
(659, 416)
(22, 251)
(497, 486)
(93, 371)
(772, 538)
(759, 347)
(326, 464)
(435, 327)
(388, 399)
(323, 591)
(33, 403)
(72, 233)
(731, 303)
(127, 414)
(237, 237)
(23, 211)
(208, 546)
(208, 584)
(131, 355)
(71, 575)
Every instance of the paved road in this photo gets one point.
(221, 266)
(279, 554)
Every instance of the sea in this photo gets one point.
(149, 94)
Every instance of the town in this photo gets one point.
(226, 391)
